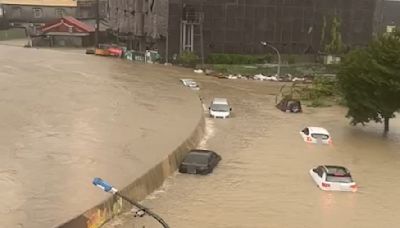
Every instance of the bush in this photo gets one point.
(291, 59)
(237, 59)
(188, 59)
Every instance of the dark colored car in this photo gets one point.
(289, 105)
(199, 162)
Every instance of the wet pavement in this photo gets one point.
(263, 181)
(68, 117)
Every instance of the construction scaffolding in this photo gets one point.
(191, 29)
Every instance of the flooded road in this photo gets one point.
(263, 181)
(67, 117)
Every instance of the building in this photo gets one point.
(86, 9)
(390, 15)
(238, 26)
(139, 23)
(28, 13)
(292, 26)
(65, 32)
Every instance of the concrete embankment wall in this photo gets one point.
(141, 187)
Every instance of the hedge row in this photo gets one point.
(238, 59)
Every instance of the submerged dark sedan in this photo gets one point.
(199, 162)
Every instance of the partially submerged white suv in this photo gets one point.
(219, 108)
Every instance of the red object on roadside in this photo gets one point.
(115, 51)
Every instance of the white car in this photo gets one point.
(190, 83)
(333, 178)
(219, 108)
(316, 135)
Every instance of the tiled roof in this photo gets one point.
(69, 21)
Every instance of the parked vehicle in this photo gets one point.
(199, 162)
(333, 178)
(316, 135)
(190, 83)
(220, 108)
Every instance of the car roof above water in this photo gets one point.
(318, 130)
(198, 151)
(220, 101)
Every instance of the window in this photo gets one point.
(37, 13)
(60, 12)
(220, 107)
(306, 131)
(339, 178)
(197, 158)
(322, 136)
(319, 171)
(15, 12)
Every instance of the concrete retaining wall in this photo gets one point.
(140, 188)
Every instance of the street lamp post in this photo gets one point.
(105, 186)
(265, 44)
(97, 15)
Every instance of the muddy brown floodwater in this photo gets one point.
(263, 178)
(66, 117)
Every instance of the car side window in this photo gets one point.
(306, 131)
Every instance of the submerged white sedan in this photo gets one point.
(316, 135)
(190, 83)
(333, 178)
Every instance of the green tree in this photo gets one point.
(369, 80)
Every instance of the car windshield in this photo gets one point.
(220, 107)
(197, 158)
(338, 178)
(319, 136)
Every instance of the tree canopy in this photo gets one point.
(369, 80)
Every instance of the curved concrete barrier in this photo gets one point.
(140, 188)
(69, 117)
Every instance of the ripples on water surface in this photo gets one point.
(263, 179)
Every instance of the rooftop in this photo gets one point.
(69, 3)
(318, 130)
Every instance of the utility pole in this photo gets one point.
(96, 34)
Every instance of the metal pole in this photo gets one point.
(144, 209)
(279, 59)
(167, 47)
(202, 33)
(192, 38)
(277, 52)
(96, 34)
(167, 37)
